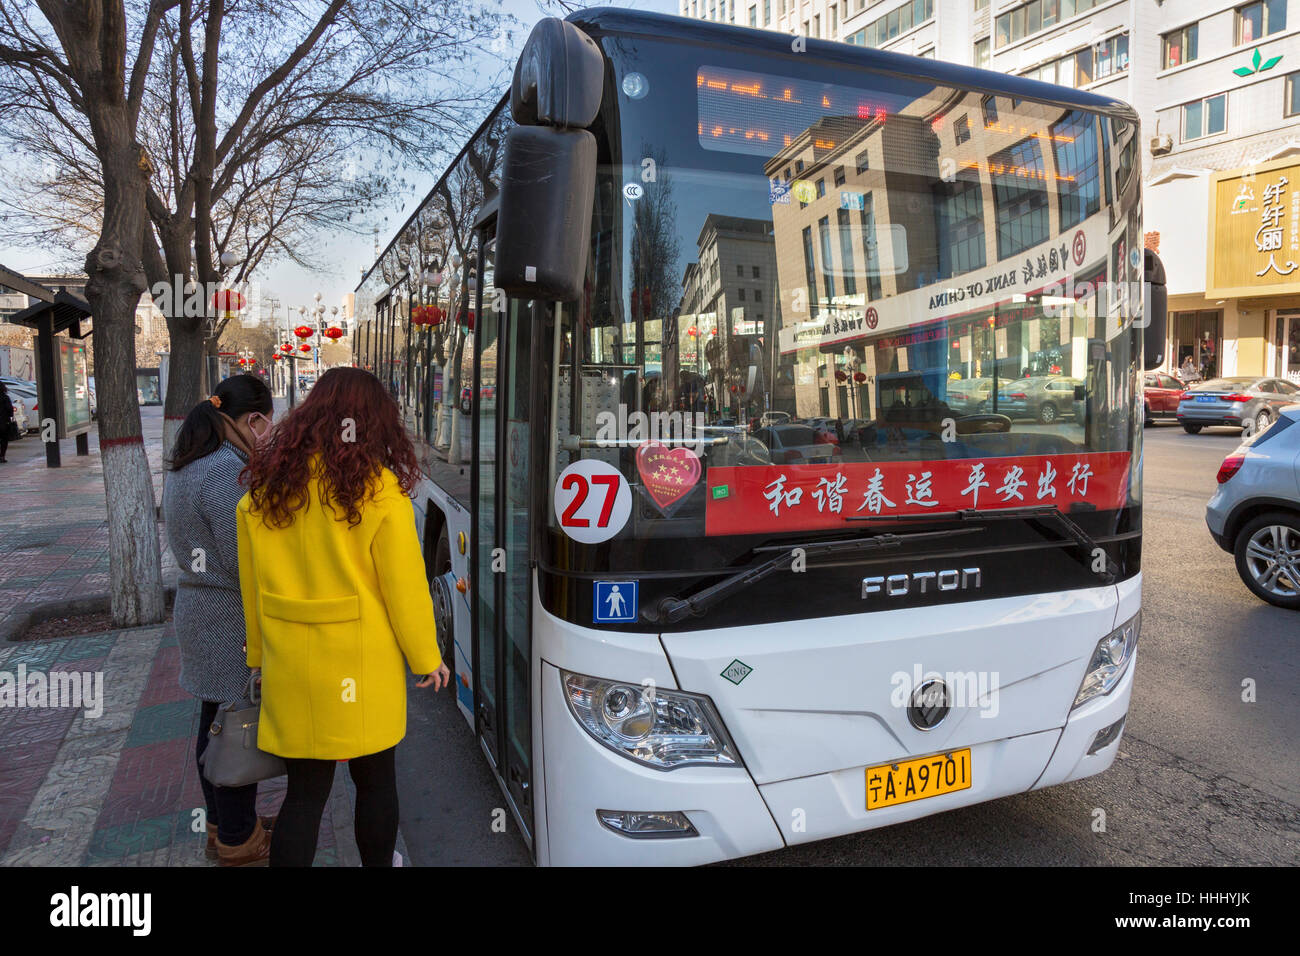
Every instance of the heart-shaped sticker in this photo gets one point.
(667, 473)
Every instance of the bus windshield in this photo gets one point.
(815, 302)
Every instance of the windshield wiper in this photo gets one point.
(1073, 531)
(670, 610)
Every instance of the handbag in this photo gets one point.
(232, 758)
(12, 432)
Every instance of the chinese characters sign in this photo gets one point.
(1255, 230)
(773, 498)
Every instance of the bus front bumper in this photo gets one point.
(734, 817)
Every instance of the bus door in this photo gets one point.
(502, 578)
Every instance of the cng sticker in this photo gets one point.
(592, 501)
(737, 671)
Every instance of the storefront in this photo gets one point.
(1248, 321)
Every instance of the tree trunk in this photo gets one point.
(184, 379)
(115, 281)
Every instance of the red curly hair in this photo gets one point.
(351, 458)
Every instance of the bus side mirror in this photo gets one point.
(548, 184)
(548, 176)
(1155, 334)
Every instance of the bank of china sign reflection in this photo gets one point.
(1254, 227)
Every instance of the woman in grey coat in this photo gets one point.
(199, 499)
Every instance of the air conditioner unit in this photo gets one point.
(1161, 144)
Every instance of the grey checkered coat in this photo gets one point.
(199, 511)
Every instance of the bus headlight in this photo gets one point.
(1110, 660)
(664, 729)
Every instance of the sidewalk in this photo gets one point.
(117, 788)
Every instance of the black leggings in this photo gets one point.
(293, 841)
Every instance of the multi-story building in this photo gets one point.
(1217, 87)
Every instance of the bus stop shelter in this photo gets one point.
(61, 312)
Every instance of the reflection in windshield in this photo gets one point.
(838, 277)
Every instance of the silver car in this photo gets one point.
(1243, 401)
(1255, 513)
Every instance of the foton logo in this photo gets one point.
(897, 585)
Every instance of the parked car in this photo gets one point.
(1161, 394)
(1255, 512)
(1046, 398)
(796, 445)
(1234, 402)
(23, 393)
(968, 395)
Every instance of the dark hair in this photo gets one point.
(200, 433)
(309, 443)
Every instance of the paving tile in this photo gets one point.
(163, 722)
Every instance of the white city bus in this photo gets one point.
(725, 357)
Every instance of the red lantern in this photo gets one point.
(840, 376)
(304, 347)
(860, 377)
(286, 347)
(304, 331)
(227, 301)
(333, 332)
(692, 331)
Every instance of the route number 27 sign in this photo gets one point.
(592, 501)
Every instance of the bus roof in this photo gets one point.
(621, 21)
(616, 20)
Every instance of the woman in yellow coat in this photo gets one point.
(336, 606)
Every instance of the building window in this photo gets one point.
(861, 161)
(810, 270)
(1205, 117)
(740, 295)
(989, 106)
(753, 16)
(1112, 55)
(798, 165)
(982, 53)
(1030, 18)
(959, 215)
(758, 296)
(756, 272)
(821, 188)
(1258, 20)
(1074, 143)
(817, 26)
(839, 175)
(1020, 197)
(893, 23)
(740, 271)
(981, 4)
(1179, 47)
(828, 261)
(870, 249)
(1292, 105)
(846, 251)
(767, 12)
(961, 129)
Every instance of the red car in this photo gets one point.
(1161, 394)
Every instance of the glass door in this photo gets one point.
(503, 577)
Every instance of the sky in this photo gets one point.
(341, 260)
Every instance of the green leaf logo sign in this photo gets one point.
(1257, 64)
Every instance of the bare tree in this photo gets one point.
(76, 51)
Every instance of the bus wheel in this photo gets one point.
(443, 614)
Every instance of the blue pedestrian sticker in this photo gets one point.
(614, 602)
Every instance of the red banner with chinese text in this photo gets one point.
(776, 498)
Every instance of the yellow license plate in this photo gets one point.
(893, 783)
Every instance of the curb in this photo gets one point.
(25, 616)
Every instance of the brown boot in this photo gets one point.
(255, 851)
(210, 851)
